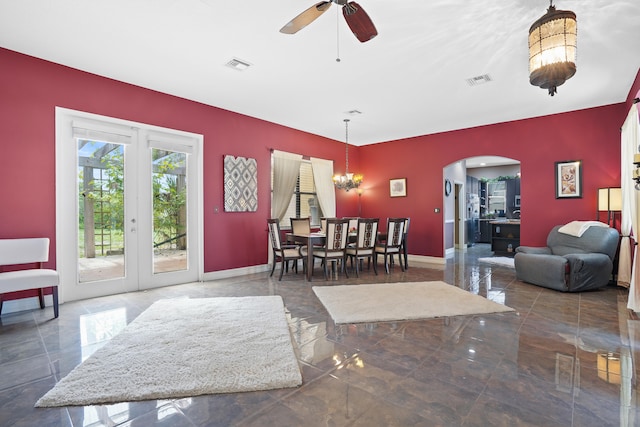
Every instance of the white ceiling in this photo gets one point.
(408, 81)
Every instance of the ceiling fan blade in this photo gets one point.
(305, 18)
(359, 22)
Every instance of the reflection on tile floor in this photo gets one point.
(559, 360)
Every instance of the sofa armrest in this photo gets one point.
(588, 271)
(549, 271)
(534, 250)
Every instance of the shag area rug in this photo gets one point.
(382, 302)
(187, 347)
(498, 260)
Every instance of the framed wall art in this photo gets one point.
(240, 184)
(569, 179)
(398, 187)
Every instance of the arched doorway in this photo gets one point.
(488, 189)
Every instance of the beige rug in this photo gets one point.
(187, 347)
(401, 301)
(499, 260)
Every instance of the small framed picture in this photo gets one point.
(398, 187)
(569, 179)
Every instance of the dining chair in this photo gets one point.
(366, 233)
(393, 244)
(300, 225)
(282, 253)
(334, 250)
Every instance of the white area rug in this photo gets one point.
(498, 260)
(187, 347)
(401, 301)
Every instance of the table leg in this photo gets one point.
(309, 260)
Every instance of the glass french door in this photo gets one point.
(128, 206)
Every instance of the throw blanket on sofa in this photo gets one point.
(577, 228)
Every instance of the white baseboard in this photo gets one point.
(225, 274)
(422, 261)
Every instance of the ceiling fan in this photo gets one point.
(359, 22)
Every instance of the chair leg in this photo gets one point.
(41, 297)
(357, 266)
(344, 267)
(400, 261)
(386, 263)
(54, 293)
(283, 263)
(375, 267)
(273, 267)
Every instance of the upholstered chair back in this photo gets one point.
(395, 231)
(337, 234)
(367, 231)
(274, 233)
(300, 225)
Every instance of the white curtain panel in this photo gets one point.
(325, 190)
(627, 267)
(286, 168)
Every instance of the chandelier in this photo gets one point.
(347, 181)
(552, 49)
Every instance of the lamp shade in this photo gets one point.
(609, 199)
(553, 47)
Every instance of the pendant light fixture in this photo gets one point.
(552, 49)
(347, 181)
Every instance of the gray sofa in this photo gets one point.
(569, 263)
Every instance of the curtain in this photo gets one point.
(627, 149)
(286, 168)
(326, 192)
(627, 266)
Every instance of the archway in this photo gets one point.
(490, 190)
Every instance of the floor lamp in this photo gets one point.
(609, 201)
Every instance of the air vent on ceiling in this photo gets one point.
(238, 64)
(479, 80)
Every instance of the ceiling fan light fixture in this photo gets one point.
(553, 47)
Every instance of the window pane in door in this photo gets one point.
(169, 178)
(100, 211)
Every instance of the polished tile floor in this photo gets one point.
(559, 360)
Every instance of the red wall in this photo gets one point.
(32, 88)
(591, 135)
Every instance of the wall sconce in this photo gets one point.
(609, 201)
(636, 171)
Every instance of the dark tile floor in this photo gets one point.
(559, 360)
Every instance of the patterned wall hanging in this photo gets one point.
(240, 184)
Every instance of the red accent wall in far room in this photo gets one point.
(591, 135)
